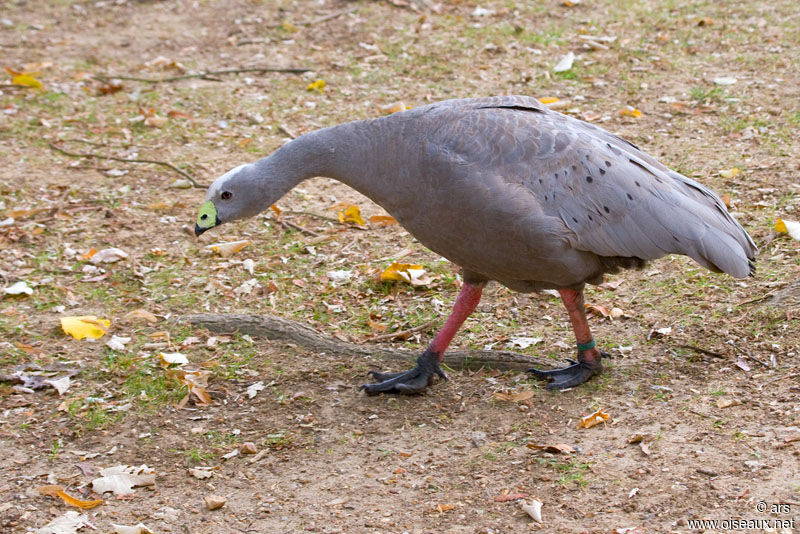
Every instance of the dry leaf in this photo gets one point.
(318, 86)
(630, 111)
(50, 490)
(442, 508)
(201, 473)
(558, 448)
(593, 419)
(172, 358)
(61, 385)
(548, 100)
(141, 314)
(597, 309)
(85, 326)
(534, 509)
(406, 272)
(512, 396)
(351, 214)
(135, 529)
(18, 288)
(228, 249)
(393, 108)
(108, 255)
(565, 63)
(510, 497)
(26, 80)
(121, 479)
(383, 220)
(788, 227)
(70, 522)
(155, 121)
(729, 173)
(72, 501)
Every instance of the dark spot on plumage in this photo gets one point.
(545, 198)
(637, 183)
(574, 167)
(676, 239)
(589, 179)
(590, 218)
(608, 163)
(602, 171)
(629, 196)
(574, 219)
(556, 176)
(605, 208)
(540, 181)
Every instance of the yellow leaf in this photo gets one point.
(288, 26)
(351, 214)
(729, 173)
(393, 108)
(275, 209)
(319, 85)
(26, 80)
(244, 141)
(593, 419)
(382, 220)
(548, 100)
(629, 111)
(83, 505)
(83, 326)
(92, 252)
(399, 271)
(228, 249)
(788, 227)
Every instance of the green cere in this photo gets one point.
(207, 217)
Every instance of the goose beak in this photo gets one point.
(207, 218)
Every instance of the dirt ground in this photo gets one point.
(704, 417)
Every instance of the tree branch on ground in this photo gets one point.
(206, 75)
(92, 155)
(277, 328)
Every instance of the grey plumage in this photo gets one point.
(510, 191)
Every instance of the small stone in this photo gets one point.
(214, 502)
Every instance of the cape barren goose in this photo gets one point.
(510, 191)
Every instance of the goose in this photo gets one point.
(511, 192)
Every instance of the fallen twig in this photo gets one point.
(92, 155)
(703, 351)
(793, 375)
(298, 227)
(400, 333)
(327, 17)
(311, 214)
(277, 328)
(204, 75)
(285, 129)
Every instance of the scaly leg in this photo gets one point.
(589, 357)
(417, 379)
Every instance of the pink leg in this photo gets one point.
(417, 379)
(466, 302)
(589, 357)
(573, 301)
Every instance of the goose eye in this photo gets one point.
(226, 195)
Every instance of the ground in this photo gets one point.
(704, 417)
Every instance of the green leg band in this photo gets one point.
(585, 346)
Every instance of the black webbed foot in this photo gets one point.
(407, 382)
(572, 375)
